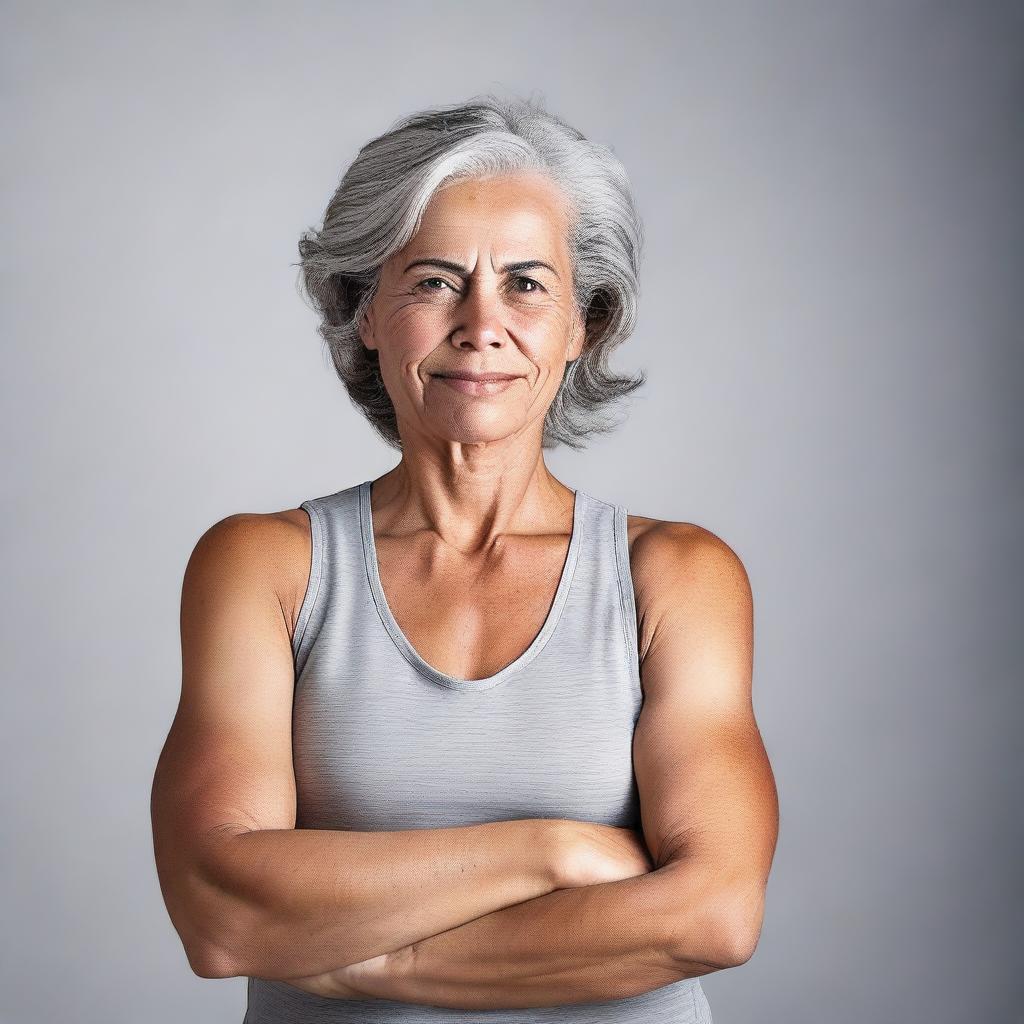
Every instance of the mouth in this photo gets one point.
(482, 378)
(477, 384)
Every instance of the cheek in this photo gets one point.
(547, 349)
(411, 324)
(546, 333)
(410, 343)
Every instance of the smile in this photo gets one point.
(478, 387)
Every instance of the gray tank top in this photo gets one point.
(383, 741)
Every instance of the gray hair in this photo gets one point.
(378, 206)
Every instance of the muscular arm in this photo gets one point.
(248, 893)
(305, 898)
(708, 798)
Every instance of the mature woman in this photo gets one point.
(462, 740)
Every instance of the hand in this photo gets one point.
(598, 853)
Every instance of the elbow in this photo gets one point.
(211, 962)
(209, 957)
(737, 947)
(724, 935)
(737, 929)
(214, 916)
(209, 924)
(224, 950)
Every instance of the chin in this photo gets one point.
(477, 433)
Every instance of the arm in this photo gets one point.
(247, 892)
(709, 803)
(589, 944)
(709, 815)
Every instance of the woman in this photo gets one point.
(462, 740)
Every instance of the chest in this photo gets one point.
(471, 616)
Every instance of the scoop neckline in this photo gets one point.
(402, 641)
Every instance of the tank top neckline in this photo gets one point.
(402, 642)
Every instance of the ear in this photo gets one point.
(577, 339)
(366, 328)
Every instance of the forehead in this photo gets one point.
(521, 212)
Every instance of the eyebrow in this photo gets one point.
(457, 268)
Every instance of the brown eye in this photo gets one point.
(529, 280)
(427, 280)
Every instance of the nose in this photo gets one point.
(480, 324)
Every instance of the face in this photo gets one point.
(484, 287)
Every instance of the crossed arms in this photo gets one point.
(474, 917)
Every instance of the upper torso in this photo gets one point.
(439, 635)
(401, 721)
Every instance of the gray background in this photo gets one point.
(830, 325)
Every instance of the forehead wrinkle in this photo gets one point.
(530, 260)
(511, 267)
(523, 228)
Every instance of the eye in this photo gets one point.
(537, 286)
(427, 280)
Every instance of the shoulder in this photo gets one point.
(679, 547)
(270, 551)
(682, 571)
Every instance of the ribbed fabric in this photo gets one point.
(383, 741)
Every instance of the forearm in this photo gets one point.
(590, 944)
(299, 902)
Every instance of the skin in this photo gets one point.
(472, 513)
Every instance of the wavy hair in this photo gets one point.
(378, 206)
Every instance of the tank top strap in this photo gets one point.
(627, 595)
(602, 607)
(335, 561)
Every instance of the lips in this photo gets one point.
(480, 378)
(481, 385)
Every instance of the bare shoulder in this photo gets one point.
(678, 569)
(267, 549)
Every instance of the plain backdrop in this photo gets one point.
(831, 328)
